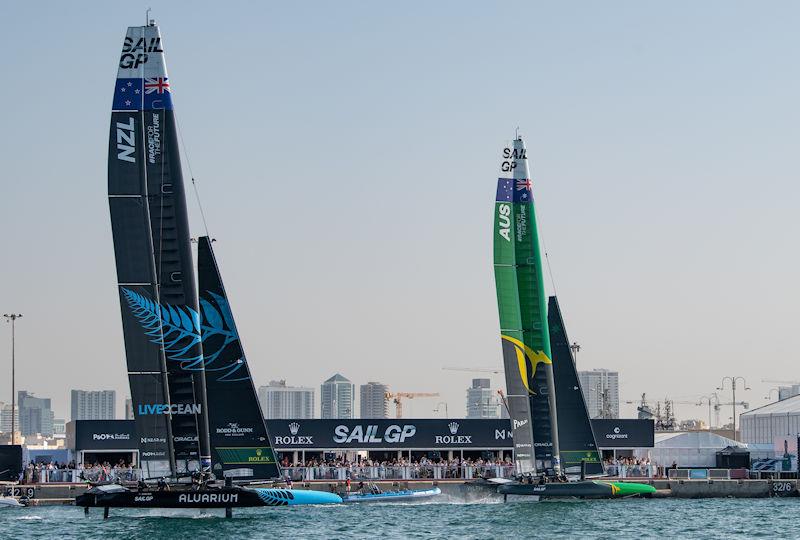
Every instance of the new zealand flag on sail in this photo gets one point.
(514, 190)
(142, 94)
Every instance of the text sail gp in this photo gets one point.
(155, 274)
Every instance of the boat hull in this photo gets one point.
(392, 496)
(590, 489)
(10, 502)
(232, 497)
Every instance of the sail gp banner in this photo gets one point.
(424, 434)
(390, 433)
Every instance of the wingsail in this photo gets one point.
(575, 436)
(155, 274)
(523, 318)
(239, 441)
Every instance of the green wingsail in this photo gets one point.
(522, 305)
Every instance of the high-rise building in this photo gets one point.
(129, 409)
(35, 415)
(373, 402)
(601, 392)
(337, 397)
(280, 401)
(59, 428)
(482, 402)
(5, 418)
(93, 405)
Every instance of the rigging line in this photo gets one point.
(547, 256)
(191, 173)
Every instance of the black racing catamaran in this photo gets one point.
(550, 438)
(186, 370)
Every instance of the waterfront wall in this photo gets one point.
(465, 491)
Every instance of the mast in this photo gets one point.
(523, 318)
(239, 440)
(155, 273)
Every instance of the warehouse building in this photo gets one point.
(771, 424)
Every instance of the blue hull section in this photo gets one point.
(297, 497)
(392, 496)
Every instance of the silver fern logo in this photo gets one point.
(179, 330)
(294, 427)
(453, 427)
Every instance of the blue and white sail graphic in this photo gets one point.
(178, 328)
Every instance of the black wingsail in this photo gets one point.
(239, 442)
(575, 435)
(154, 264)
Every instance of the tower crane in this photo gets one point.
(397, 397)
(495, 370)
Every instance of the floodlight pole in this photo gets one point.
(12, 318)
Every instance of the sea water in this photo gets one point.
(667, 519)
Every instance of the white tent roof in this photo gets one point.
(788, 405)
(694, 439)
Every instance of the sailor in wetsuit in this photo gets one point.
(162, 485)
(141, 485)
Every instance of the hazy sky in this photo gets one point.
(347, 155)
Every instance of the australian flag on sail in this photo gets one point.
(142, 94)
(514, 190)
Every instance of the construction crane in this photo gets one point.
(495, 370)
(779, 382)
(399, 396)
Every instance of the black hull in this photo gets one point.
(217, 498)
(588, 490)
(225, 497)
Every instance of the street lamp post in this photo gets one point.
(709, 406)
(733, 390)
(12, 318)
(575, 348)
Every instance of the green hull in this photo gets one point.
(586, 489)
(626, 489)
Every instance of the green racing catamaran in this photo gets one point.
(536, 379)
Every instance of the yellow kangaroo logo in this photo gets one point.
(526, 355)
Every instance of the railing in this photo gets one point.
(94, 474)
(398, 472)
(297, 474)
(708, 474)
(632, 471)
